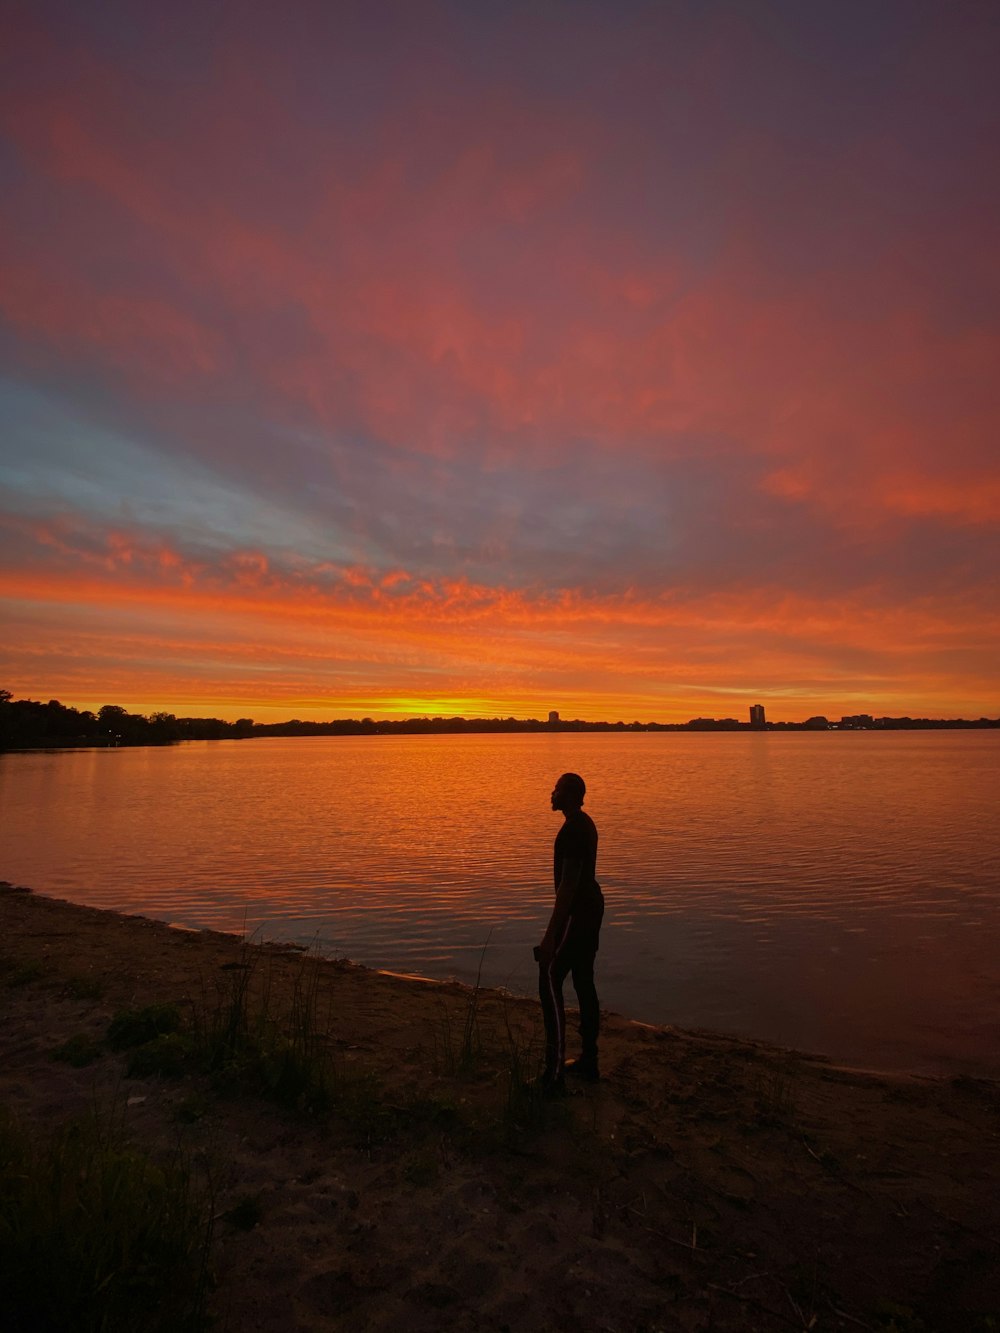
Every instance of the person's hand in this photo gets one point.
(543, 953)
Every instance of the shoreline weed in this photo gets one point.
(96, 1235)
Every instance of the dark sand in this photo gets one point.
(706, 1183)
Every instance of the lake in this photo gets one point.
(834, 891)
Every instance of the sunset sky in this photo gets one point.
(638, 360)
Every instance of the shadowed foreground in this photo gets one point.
(364, 1155)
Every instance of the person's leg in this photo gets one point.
(550, 991)
(590, 1008)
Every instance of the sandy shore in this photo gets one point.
(705, 1183)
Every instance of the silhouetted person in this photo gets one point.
(571, 939)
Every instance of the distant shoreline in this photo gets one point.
(204, 729)
(27, 724)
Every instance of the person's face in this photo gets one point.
(560, 797)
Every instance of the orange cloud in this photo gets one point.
(664, 657)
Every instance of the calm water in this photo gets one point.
(837, 892)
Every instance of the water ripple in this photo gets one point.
(834, 891)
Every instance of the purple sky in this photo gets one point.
(635, 360)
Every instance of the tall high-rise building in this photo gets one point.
(757, 715)
(553, 717)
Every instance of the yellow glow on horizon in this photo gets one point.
(790, 706)
(441, 706)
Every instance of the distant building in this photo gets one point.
(553, 717)
(757, 715)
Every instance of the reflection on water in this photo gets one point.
(836, 892)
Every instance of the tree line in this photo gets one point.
(30, 724)
(27, 724)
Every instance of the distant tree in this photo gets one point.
(6, 720)
(125, 728)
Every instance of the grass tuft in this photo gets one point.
(524, 1110)
(246, 1039)
(135, 1027)
(167, 1056)
(95, 1236)
(773, 1088)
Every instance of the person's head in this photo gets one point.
(568, 793)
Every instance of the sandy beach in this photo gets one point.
(704, 1183)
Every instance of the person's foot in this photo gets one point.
(585, 1067)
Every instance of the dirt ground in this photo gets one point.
(704, 1184)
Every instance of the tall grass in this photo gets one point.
(459, 1050)
(524, 1110)
(773, 1090)
(266, 1032)
(244, 1035)
(241, 1034)
(95, 1236)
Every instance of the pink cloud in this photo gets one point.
(740, 359)
(607, 343)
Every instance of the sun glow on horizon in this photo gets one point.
(569, 707)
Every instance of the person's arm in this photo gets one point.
(572, 872)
